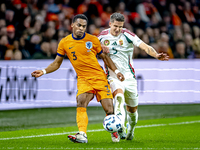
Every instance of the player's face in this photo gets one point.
(79, 28)
(116, 27)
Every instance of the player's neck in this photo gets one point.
(77, 37)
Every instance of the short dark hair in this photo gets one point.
(180, 41)
(117, 17)
(81, 16)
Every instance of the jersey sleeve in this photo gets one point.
(132, 37)
(60, 50)
(97, 45)
(99, 37)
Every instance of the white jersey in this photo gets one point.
(121, 51)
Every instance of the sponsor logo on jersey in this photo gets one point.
(71, 47)
(115, 43)
(88, 45)
(120, 42)
(106, 42)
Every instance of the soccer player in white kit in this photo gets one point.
(118, 43)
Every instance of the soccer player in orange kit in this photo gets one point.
(81, 49)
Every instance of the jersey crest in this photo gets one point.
(88, 45)
(106, 42)
(120, 42)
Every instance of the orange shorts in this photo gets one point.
(100, 87)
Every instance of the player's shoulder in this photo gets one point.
(104, 32)
(88, 35)
(91, 37)
(64, 39)
(126, 31)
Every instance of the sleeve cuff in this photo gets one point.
(60, 55)
(100, 52)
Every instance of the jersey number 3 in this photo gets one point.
(74, 56)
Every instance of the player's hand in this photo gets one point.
(120, 76)
(105, 48)
(37, 73)
(162, 56)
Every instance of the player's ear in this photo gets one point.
(109, 24)
(72, 25)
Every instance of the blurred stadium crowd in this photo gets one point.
(32, 29)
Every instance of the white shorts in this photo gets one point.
(129, 87)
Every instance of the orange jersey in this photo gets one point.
(82, 54)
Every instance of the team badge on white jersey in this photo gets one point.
(121, 42)
(88, 45)
(106, 42)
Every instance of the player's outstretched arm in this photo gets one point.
(152, 52)
(51, 68)
(107, 60)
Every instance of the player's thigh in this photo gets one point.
(84, 99)
(104, 95)
(131, 93)
(115, 84)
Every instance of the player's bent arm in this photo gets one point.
(51, 68)
(148, 49)
(55, 64)
(108, 61)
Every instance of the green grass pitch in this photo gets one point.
(157, 128)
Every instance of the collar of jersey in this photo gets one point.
(78, 38)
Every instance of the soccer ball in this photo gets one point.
(112, 123)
